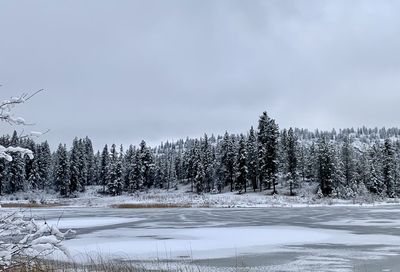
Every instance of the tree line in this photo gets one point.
(345, 164)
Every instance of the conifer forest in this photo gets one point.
(345, 163)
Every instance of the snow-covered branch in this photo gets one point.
(22, 238)
(7, 115)
(7, 106)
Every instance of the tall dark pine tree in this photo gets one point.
(90, 162)
(311, 163)
(207, 160)
(268, 150)
(200, 178)
(376, 183)
(348, 164)
(115, 182)
(129, 167)
(75, 167)
(302, 161)
(83, 165)
(228, 159)
(104, 168)
(33, 183)
(33, 177)
(389, 168)
(17, 168)
(252, 148)
(3, 175)
(44, 163)
(193, 161)
(242, 171)
(325, 166)
(283, 152)
(291, 155)
(147, 164)
(61, 171)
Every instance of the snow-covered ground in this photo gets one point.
(183, 198)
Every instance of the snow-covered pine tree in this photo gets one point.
(172, 179)
(207, 160)
(97, 167)
(389, 168)
(338, 178)
(283, 153)
(83, 165)
(312, 163)
(90, 163)
(104, 168)
(3, 175)
(376, 182)
(252, 148)
(199, 178)
(44, 162)
(291, 158)
(348, 164)
(75, 167)
(33, 178)
(61, 171)
(325, 166)
(242, 171)
(147, 163)
(119, 181)
(228, 159)
(28, 163)
(302, 160)
(129, 162)
(17, 167)
(115, 182)
(268, 133)
(192, 161)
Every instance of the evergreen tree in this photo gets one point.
(44, 165)
(268, 151)
(252, 147)
(228, 159)
(325, 167)
(61, 171)
(90, 162)
(283, 153)
(147, 163)
(242, 171)
(34, 178)
(389, 168)
(200, 178)
(291, 149)
(75, 167)
(207, 161)
(376, 182)
(3, 175)
(347, 157)
(104, 168)
(302, 161)
(115, 182)
(17, 168)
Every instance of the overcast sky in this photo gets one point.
(122, 71)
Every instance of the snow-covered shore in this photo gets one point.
(185, 199)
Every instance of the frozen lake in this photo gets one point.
(262, 239)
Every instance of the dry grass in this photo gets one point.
(100, 265)
(150, 206)
(29, 205)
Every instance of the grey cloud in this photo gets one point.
(122, 71)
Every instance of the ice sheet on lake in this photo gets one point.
(79, 223)
(195, 243)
